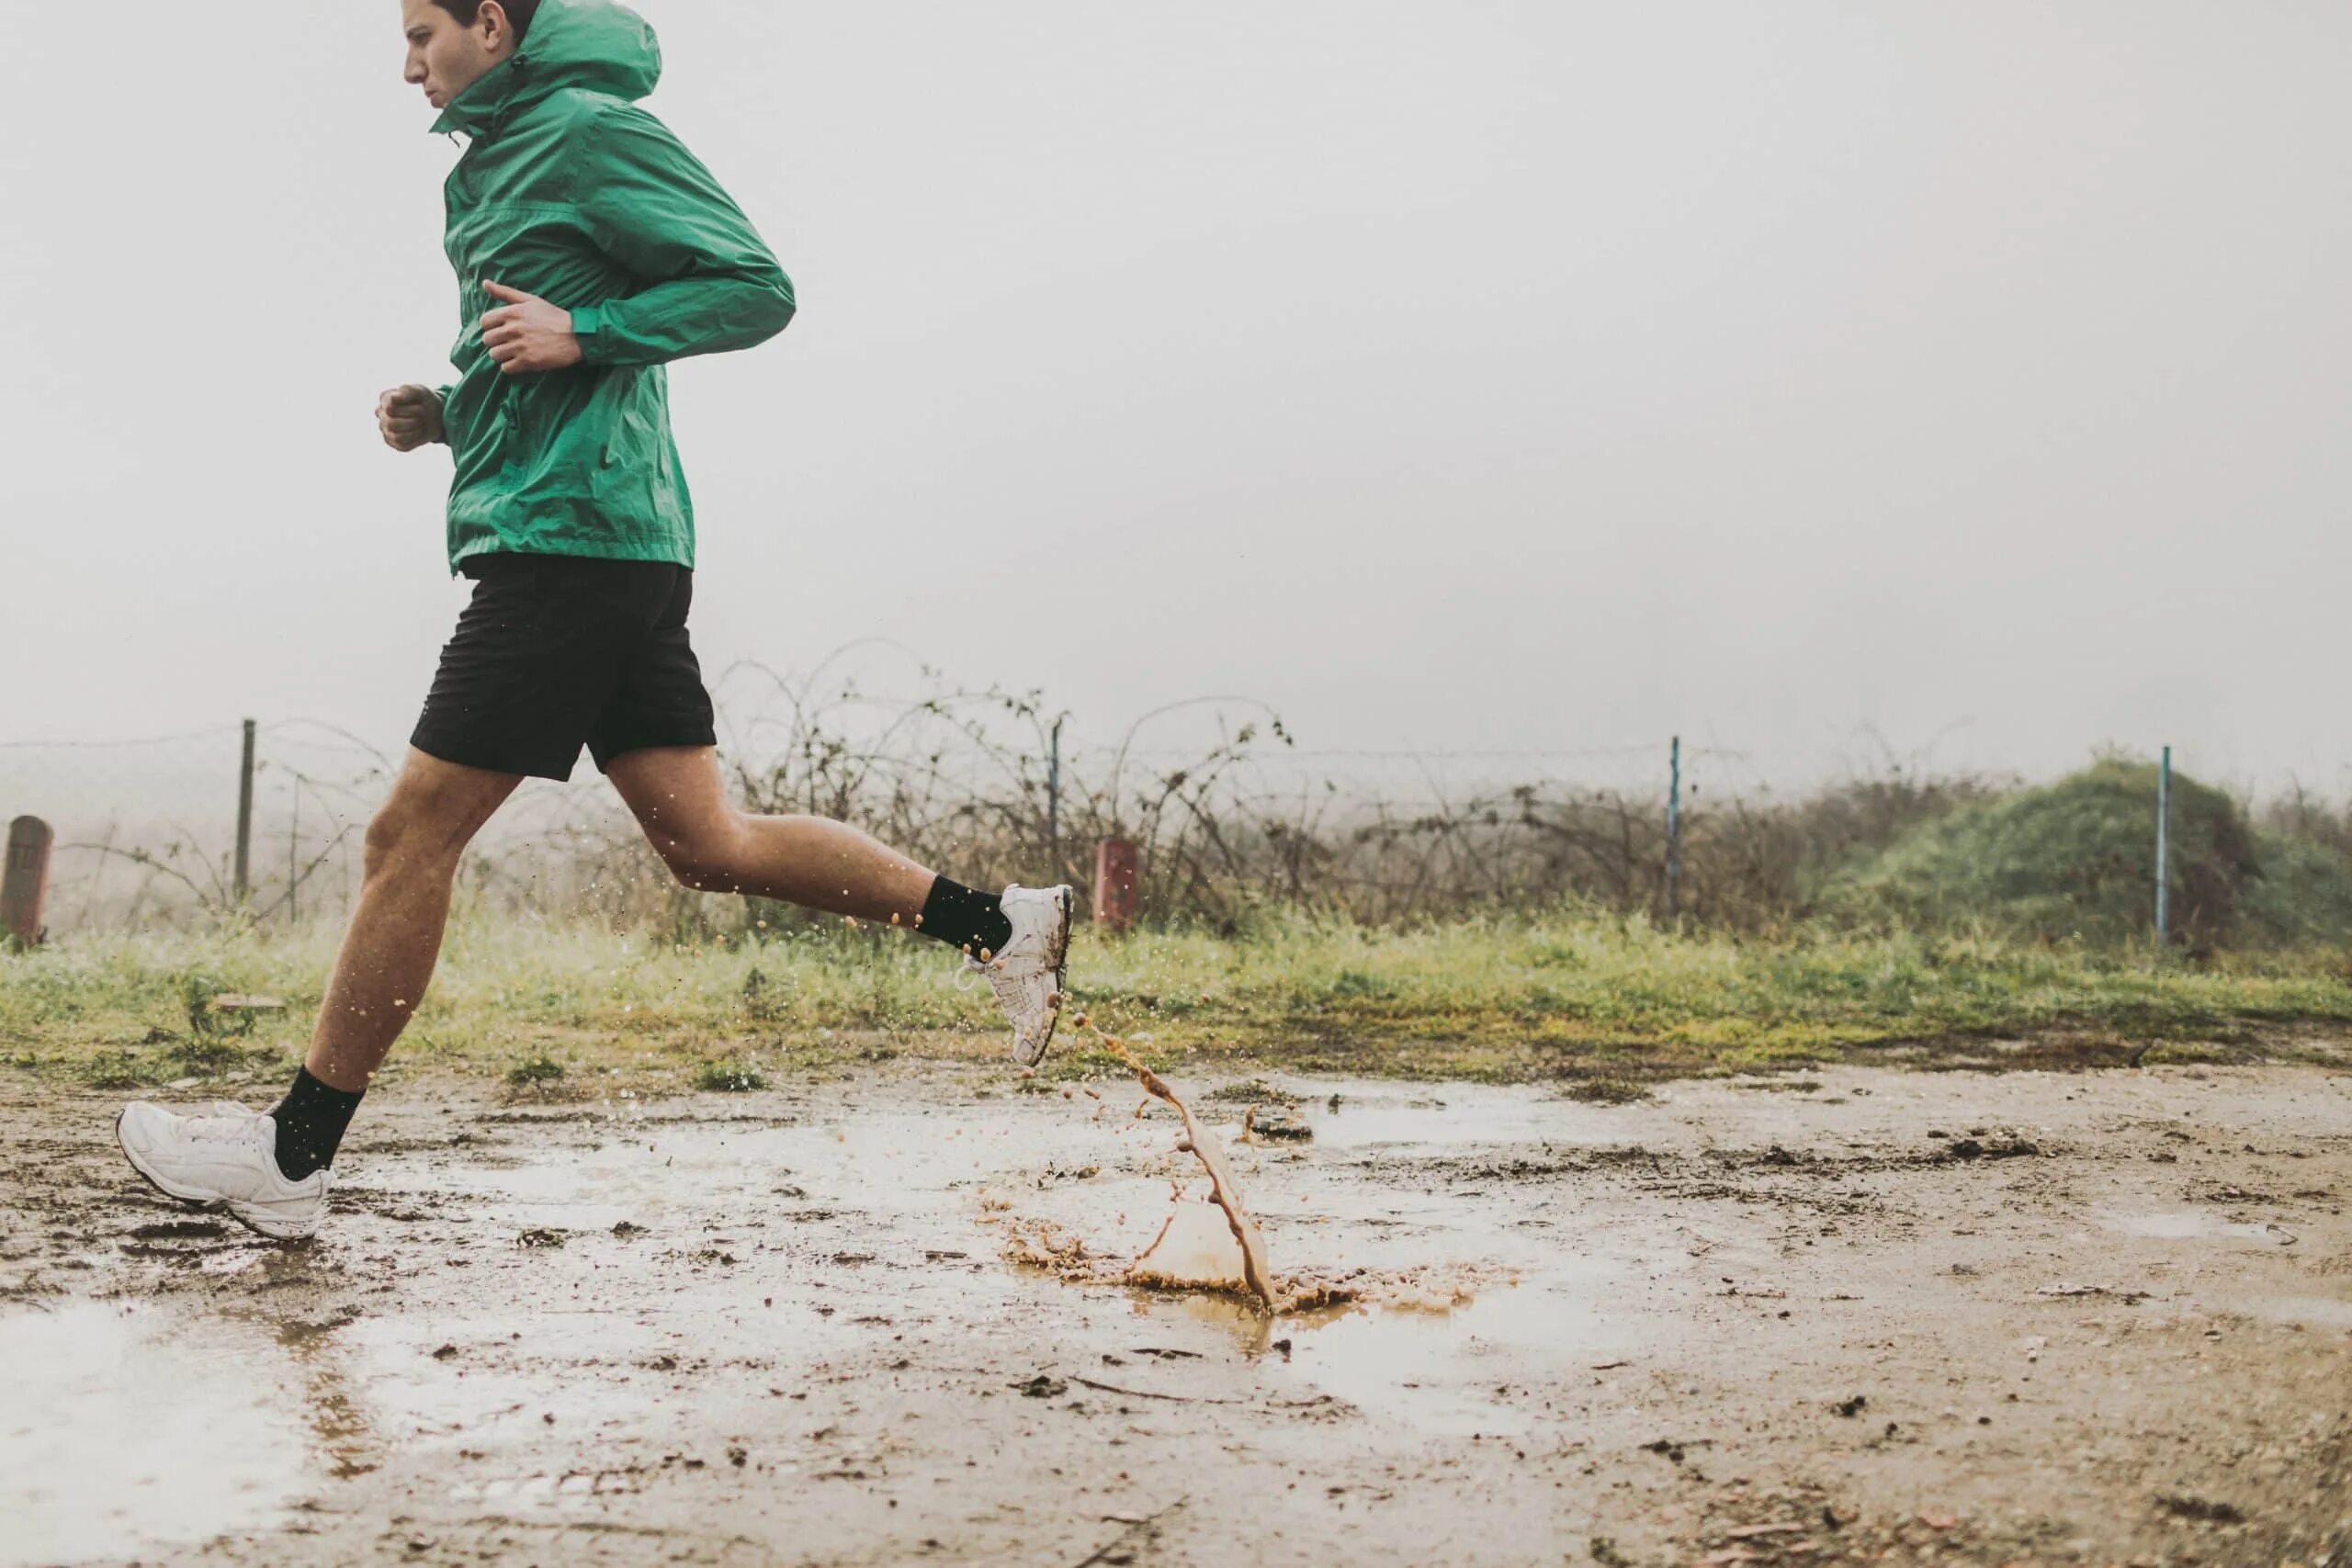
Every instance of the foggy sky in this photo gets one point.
(1462, 374)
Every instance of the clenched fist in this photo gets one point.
(527, 334)
(409, 417)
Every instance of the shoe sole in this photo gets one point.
(199, 1198)
(1061, 977)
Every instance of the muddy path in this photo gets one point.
(1857, 1315)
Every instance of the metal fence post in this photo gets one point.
(1054, 805)
(243, 882)
(1674, 832)
(2163, 848)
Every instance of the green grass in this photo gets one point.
(537, 1071)
(730, 1077)
(1601, 1004)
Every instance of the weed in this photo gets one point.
(729, 1078)
(209, 1057)
(1606, 1092)
(117, 1069)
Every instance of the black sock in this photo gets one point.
(310, 1120)
(964, 917)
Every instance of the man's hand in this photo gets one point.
(409, 417)
(527, 335)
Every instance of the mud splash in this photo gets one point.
(1224, 1191)
(1192, 1252)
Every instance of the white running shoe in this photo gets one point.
(229, 1157)
(1027, 975)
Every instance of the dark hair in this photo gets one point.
(518, 11)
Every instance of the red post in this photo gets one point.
(24, 887)
(1116, 890)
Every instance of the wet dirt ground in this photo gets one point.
(1851, 1315)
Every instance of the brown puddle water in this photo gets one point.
(123, 1428)
(479, 1307)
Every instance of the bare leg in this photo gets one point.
(388, 956)
(681, 802)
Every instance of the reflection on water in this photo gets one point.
(1456, 1116)
(2192, 1225)
(1447, 1371)
(114, 1439)
(2310, 1312)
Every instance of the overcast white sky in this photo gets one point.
(1462, 373)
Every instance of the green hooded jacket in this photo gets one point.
(571, 192)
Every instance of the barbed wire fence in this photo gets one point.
(1226, 811)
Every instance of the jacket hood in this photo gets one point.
(595, 45)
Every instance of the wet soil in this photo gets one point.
(1963, 1318)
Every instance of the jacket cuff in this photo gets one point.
(588, 325)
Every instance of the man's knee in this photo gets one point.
(411, 834)
(706, 858)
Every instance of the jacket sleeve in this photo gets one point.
(708, 282)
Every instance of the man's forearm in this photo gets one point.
(684, 318)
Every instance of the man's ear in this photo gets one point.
(498, 29)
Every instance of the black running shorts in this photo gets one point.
(555, 652)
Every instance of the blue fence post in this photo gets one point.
(1674, 832)
(2163, 848)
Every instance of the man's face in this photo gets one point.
(445, 55)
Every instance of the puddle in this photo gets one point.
(2192, 1225)
(115, 1438)
(1456, 1117)
(1453, 1372)
(778, 1250)
(1455, 1306)
(2310, 1312)
(1448, 1372)
(881, 1162)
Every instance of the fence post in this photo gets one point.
(243, 882)
(24, 885)
(1674, 832)
(2163, 848)
(1114, 884)
(1054, 805)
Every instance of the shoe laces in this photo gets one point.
(973, 970)
(218, 1129)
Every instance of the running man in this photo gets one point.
(590, 250)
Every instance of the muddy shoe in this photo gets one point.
(1027, 975)
(231, 1158)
